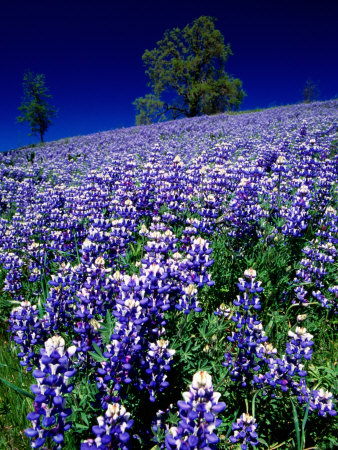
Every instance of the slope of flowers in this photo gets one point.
(106, 243)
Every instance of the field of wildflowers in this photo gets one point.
(172, 286)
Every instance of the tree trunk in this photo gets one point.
(41, 136)
(192, 112)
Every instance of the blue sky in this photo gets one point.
(91, 54)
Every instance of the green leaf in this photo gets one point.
(97, 349)
(97, 357)
(305, 420)
(296, 424)
(84, 418)
(80, 427)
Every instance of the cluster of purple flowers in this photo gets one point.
(252, 354)
(111, 430)
(27, 332)
(297, 214)
(167, 280)
(50, 409)
(249, 336)
(244, 431)
(13, 264)
(319, 254)
(198, 416)
(288, 372)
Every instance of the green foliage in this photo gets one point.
(300, 427)
(35, 107)
(5, 301)
(189, 64)
(200, 341)
(150, 108)
(84, 414)
(15, 399)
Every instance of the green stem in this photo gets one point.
(76, 247)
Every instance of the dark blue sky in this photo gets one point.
(90, 52)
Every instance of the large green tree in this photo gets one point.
(186, 72)
(35, 107)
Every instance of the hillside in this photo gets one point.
(196, 256)
(187, 137)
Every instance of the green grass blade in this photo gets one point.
(305, 420)
(296, 423)
(9, 367)
(17, 389)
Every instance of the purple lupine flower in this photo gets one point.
(299, 345)
(27, 332)
(13, 264)
(322, 401)
(112, 430)
(320, 252)
(159, 425)
(244, 431)
(124, 351)
(296, 216)
(50, 394)
(159, 360)
(198, 413)
(282, 370)
(249, 335)
(223, 311)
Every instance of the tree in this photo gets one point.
(35, 107)
(186, 72)
(311, 91)
(150, 108)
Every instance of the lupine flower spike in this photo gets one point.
(198, 413)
